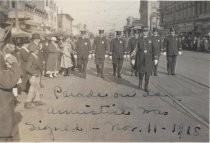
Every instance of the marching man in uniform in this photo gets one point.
(118, 50)
(131, 46)
(158, 46)
(146, 55)
(100, 46)
(172, 47)
(83, 48)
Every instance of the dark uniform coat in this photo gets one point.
(83, 48)
(100, 46)
(145, 54)
(8, 79)
(132, 44)
(158, 44)
(118, 49)
(172, 45)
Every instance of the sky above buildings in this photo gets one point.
(100, 14)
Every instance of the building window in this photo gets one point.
(13, 4)
(46, 2)
(205, 7)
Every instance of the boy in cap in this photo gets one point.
(146, 55)
(34, 71)
(172, 47)
(117, 52)
(83, 49)
(100, 47)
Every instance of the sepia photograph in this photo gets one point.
(104, 70)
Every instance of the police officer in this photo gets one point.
(172, 47)
(83, 48)
(146, 55)
(100, 46)
(131, 46)
(118, 50)
(158, 46)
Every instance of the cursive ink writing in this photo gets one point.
(154, 111)
(103, 109)
(180, 129)
(53, 129)
(58, 92)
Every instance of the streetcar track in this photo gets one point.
(197, 82)
(184, 108)
(196, 58)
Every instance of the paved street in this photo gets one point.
(115, 110)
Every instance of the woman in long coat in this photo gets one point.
(52, 60)
(66, 62)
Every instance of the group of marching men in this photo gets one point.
(143, 50)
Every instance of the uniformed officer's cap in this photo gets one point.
(145, 28)
(36, 36)
(83, 32)
(101, 31)
(155, 30)
(118, 32)
(172, 29)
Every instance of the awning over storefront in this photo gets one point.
(19, 33)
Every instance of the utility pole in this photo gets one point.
(16, 15)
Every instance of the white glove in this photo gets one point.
(164, 53)
(110, 57)
(156, 62)
(89, 56)
(124, 56)
(19, 81)
(106, 56)
(93, 55)
(180, 53)
(133, 61)
(75, 56)
(128, 56)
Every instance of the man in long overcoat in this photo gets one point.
(100, 46)
(83, 48)
(118, 50)
(146, 55)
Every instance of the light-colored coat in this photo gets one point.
(66, 61)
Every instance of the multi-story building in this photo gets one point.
(4, 6)
(65, 23)
(132, 24)
(33, 16)
(185, 16)
(149, 14)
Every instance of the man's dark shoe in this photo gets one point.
(39, 103)
(146, 90)
(28, 105)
